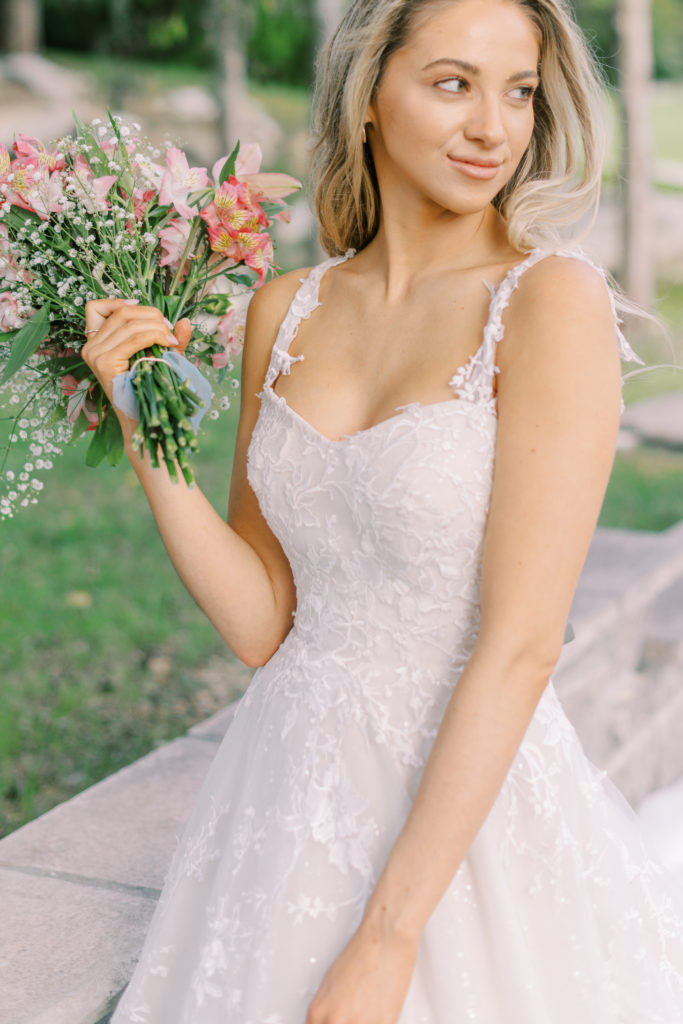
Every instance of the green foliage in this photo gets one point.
(282, 44)
(667, 26)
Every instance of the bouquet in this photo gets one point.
(95, 215)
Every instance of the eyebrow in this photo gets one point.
(474, 70)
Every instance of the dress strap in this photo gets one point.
(475, 379)
(305, 301)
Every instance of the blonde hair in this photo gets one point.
(558, 180)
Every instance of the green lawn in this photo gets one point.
(102, 650)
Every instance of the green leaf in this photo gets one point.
(229, 165)
(80, 426)
(98, 446)
(80, 127)
(114, 438)
(26, 341)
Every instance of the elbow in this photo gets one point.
(532, 659)
(254, 657)
(256, 652)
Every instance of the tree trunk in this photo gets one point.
(228, 24)
(23, 29)
(635, 69)
(329, 15)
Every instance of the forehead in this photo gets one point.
(479, 26)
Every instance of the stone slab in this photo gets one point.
(214, 728)
(123, 829)
(657, 420)
(65, 949)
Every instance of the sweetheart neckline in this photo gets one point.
(400, 411)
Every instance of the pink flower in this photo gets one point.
(33, 150)
(270, 187)
(89, 189)
(142, 197)
(231, 328)
(10, 317)
(79, 402)
(179, 180)
(173, 241)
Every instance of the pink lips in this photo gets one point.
(484, 169)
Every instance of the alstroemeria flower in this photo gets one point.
(79, 402)
(10, 317)
(179, 180)
(33, 149)
(142, 197)
(91, 190)
(173, 241)
(4, 160)
(269, 186)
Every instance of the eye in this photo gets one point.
(528, 89)
(450, 84)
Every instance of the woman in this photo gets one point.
(401, 824)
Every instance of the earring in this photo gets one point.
(365, 138)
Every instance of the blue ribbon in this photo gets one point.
(124, 395)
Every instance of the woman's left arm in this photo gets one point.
(558, 408)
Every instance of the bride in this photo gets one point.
(401, 824)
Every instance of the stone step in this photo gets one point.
(78, 885)
(657, 420)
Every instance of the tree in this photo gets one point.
(21, 20)
(634, 27)
(329, 15)
(229, 22)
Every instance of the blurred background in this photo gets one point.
(103, 656)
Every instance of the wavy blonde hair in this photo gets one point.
(558, 180)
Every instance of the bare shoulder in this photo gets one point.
(566, 291)
(560, 345)
(272, 300)
(267, 309)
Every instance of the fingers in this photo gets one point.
(183, 333)
(130, 315)
(97, 311)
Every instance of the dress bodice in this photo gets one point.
(384, 528)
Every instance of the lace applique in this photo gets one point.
(305, 301)
(474, 380)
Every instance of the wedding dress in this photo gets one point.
(560, 912)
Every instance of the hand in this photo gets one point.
(367, 983)
(116, 329)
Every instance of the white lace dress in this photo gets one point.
(559, 913)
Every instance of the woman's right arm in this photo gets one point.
(237, 572)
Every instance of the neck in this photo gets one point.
(410, 243)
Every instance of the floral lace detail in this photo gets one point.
(558, 912)
(304, 303)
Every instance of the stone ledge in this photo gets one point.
(88, 873)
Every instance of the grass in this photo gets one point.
(103, 654)
(645, 490)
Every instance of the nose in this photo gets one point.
(485, 123)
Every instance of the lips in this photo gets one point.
(477, 162)
(484, 170)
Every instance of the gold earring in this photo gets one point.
(365, 138)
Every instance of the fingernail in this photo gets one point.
(168, 323)
(172, 340)
(131, 302)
